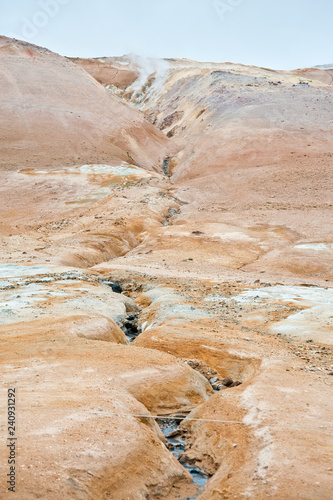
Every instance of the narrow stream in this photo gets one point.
(166, 166)
(175, 441)
(169, 427)
(176, 445)
(172, 212)
(131, 327)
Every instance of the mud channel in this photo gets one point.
(176, 441)
(176, 445)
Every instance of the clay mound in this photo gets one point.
(54, 113)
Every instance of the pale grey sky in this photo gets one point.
(281, 34)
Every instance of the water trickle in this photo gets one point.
(131, 328)
(176, 445)
(172, 212)
(166, 166)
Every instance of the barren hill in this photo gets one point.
(53, 113)
(255, 154)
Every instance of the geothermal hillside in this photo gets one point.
(166, 278)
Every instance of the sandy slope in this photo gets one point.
(54, 114)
